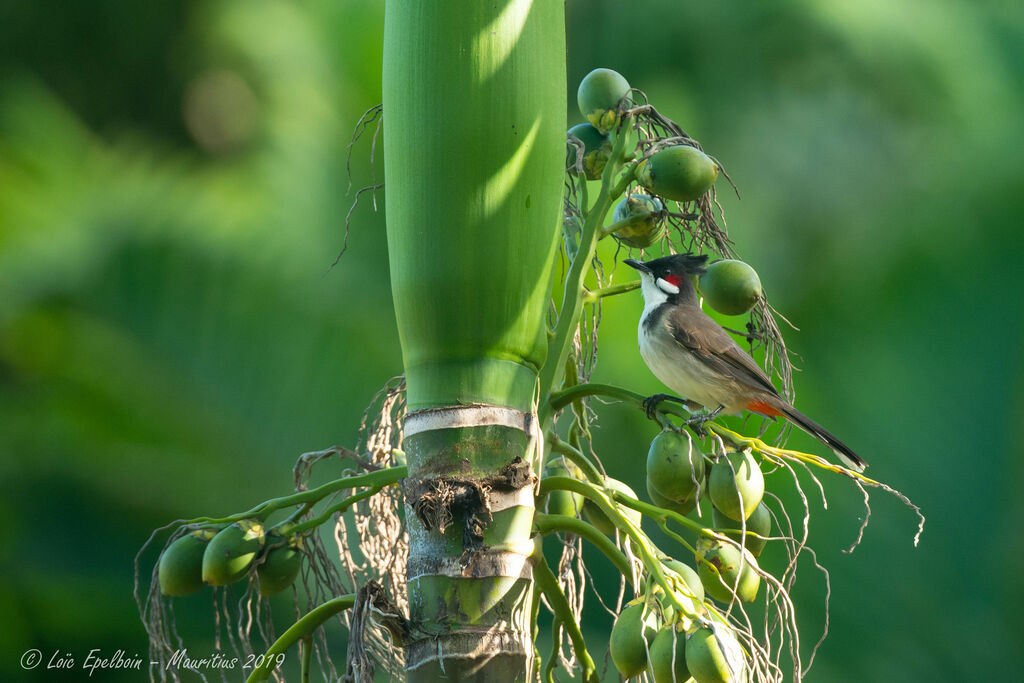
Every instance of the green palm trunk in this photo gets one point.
(474, 146)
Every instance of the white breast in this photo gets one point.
(680, 371)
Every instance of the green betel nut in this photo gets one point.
(681, 173)
(675, 466)
(231, 552)
(597, 148)
(599, 96)
(668, 657)
(642, 215)
(736, 485)
(690, 596)
(759, 523)
(722, 570)
(281, 566)
(181, 564)
(561, 502)
(683, 507)
(715, 656)
(730, 287)
(634, 625)
(599, 520)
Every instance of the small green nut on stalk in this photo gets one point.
(599, 520)
(561, 502)
(675, 466)
(600, 93)
(281, 566)
(681, 173)
(723, 570)
(759, 522)
(736, 485)
(730, 287)
(597, 148)
(632, 633)
(715, 656)
(683, 507)
(692, 597)
(231, 552)
(643, 217)
(668, 657)
(181, 566)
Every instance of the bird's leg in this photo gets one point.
(697, 421)
(650, 404)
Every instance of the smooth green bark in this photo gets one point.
(474, 152)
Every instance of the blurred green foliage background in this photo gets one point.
(173, 192)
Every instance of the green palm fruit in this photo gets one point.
(561, 502)
(634, 625)
(599, 520)
(281, 565)
(730, 287)
(683, 507)
(232, 551)
(691, 599)
(668, 657)
(645, 225)
(675, 466)
(736, 485)
(759, 522)
(599, 95)
(597, 147)
(181, 565)
(715, 656)
(681, 173)
(719, 567)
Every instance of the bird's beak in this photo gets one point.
(639, 265)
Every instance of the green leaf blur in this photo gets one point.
(173, 192)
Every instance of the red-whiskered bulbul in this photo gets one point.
(696, 358)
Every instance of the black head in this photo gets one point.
(670, 275)
(675, 264)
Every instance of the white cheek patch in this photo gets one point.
(666, 286)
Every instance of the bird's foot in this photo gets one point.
(651, 403)
(697, 422)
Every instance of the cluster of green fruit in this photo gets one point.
(222, 555)
(678, 476)
(678, 172)
(646, 637)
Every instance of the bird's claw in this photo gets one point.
(651, 403)
(697, 422)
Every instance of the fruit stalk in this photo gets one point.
(572, 305)
(548, 584)
(300, 630)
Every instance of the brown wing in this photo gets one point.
(706, 339)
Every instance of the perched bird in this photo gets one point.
(696, 358)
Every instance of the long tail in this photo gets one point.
(849, 458)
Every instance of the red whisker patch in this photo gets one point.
(674, 280)
(763, 408)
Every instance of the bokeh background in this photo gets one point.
(173, 192)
